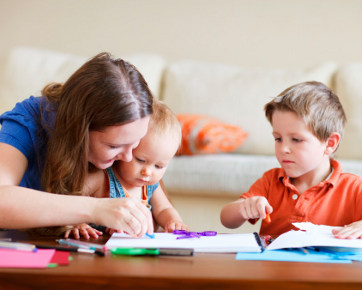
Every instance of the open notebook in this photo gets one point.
(221, 243)
(311, 235)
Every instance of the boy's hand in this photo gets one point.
(83, 230)
(255, 207)
(351, 231)
(175, 225)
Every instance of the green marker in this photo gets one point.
(135, 252)
(152, 251)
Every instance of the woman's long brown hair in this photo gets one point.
(103, 92)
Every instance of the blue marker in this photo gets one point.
(151, 236)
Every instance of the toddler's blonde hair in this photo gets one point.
(164, 122)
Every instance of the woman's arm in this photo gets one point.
(26, 208)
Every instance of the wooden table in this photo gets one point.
(205, 271)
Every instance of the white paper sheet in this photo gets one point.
(312, 235)
(221, 243)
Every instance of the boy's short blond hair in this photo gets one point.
(164, 121)
(315, 103)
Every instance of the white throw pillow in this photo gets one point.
(26, 70)
(235, 95)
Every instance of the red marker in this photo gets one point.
(267, 218)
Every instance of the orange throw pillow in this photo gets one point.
(207, 135)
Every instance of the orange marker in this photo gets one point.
(267, 218)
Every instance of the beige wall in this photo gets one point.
(245, 32)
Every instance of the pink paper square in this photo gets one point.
(25, 259)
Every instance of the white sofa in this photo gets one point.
(201, 185)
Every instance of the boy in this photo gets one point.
(308, 123)
(139, 178)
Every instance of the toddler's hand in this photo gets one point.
(255, 207)
(351, 231)
(84, 230)
(175, 225)
(110, 231)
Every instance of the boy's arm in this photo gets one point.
(353, 230)
(234, 214)
(231, 216)
(251, 205)
(164, 213)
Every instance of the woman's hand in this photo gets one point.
(123, 214)
(82, 230)
(351, 231)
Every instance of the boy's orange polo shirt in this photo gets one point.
(334, 202)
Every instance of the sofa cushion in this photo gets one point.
(215, 174)
(26, 70)
(235, 95)
(206, 135)
(225, 174)
(348, 86)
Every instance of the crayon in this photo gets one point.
(267, 218)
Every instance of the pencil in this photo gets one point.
(17, 246)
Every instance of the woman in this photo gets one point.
(51, 143)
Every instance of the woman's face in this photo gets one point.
(115, 142)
